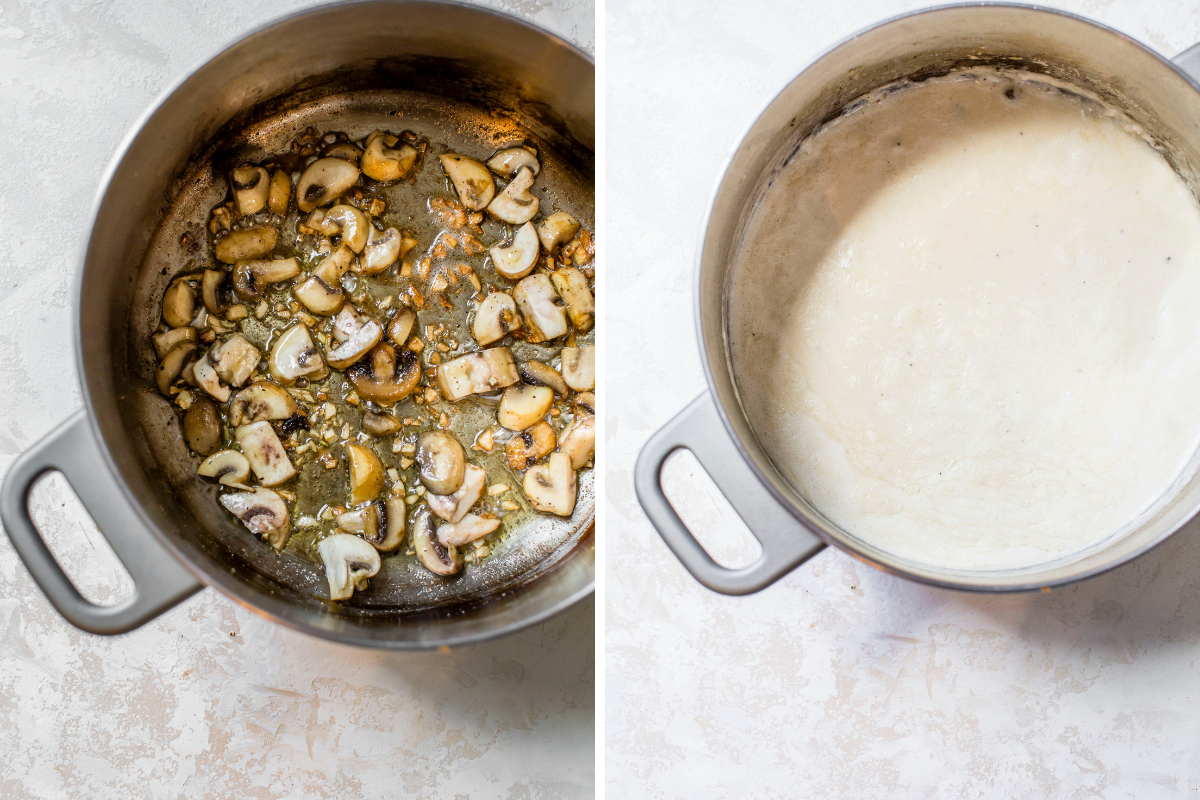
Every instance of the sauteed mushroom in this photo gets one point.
(251, 277)
(251, 189)
(344, 221)
(579, 441)
(366, 474)
(393, 524)
(378, 424)
(524, 450)
(281, 190)
(166, 341)
(355, 335)
(294, 356)
(234, 359)
(573, 289)
(437, 557)
(172, 365)
(262, 448)
(551, 487)
(321, 293)
(556, 230)
(213, 290)
(349, 562)
(381, 251)
(228, 467)
(495, 318)
(517, 258)
(347, 151)
(263, 512)
(538, 374)
(516, 205)
(383, 161)
(261, 401)
(471, 180)
(364, 521)
(441, 462)
(579, 368)
(508, 162)
(385, 378)
(246, 244)
(202, 426)
(323, 181)
(179, 301)
(207, 379)
(523, 405)
(476, 373)
(401, 326)
(545, 318)
(453, 507)
(466, 530)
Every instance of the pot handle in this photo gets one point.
(160, 581)
(786, 543)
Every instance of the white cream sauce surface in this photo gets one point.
(966, 322)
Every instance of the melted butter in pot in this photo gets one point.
(964, 322)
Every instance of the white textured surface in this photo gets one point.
(841, 681)
(210, 700)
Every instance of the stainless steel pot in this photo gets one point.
(466, 75)
(1161, 95)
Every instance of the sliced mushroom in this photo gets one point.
(171, 367)
(539, 374)
(322, 293)
(207, 378)
(347, 151)
(383, 161)
(355, 335)
(234, 359)
(166, 341)
(262, 448)
(349, 562)
(516, 259)
(251, 276)
(202, 426)
(578, 441)
(401, 326)
(281, 190)
(524, 450)
(516, 205)
(467, 530)
(263, 512)
(364, 521)
(259, 402)
(544, 315)
(393, 523)
(437, 557)
(579, 368)
(179, 301)
(228, 467)
(477, 373)
(453, 507)
(495, 318)
(366, 474)
(441, 462)
(294, 356)
(508, 162)
(378, 424)
(251, 189)
(471, 180)
(325, 180)
(585, 401)
(551, 486)
(246, 244)
(347, 222)
(523, 405)
(385, 378)
(556, 230)
(213, 290)
(573, 288)
(381, 251)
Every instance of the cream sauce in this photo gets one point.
(966, 322)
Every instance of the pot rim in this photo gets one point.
(895, 567)
(103, 185)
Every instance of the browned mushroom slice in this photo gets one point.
(441, 462)
(246, 244)
(263, 512)
(437, 557)
(202, 426)
(349, 561)
(579, 368)
(347, 151)
(523, 406)
(495, 318)
(251, 277)
(392, 526)
(578, 441)
(383, 377)
(261, 401)
(323, 181)
(515, 259)
(294, 356)
(213, 289)
(366, 474)
(322, 293)
(281, 191)
(363, 521)
(207, 378)
(526, 448)
(378, 424)
(228, 467)
(551, 487)
(477, 373)
(179, 301)
(170, 368)
(556, 230)
(382, 160)
(539, 374)
(573, 289)
(471, 180)
(508, 162)
(516, 205)
(584, 403)
(251, 189)
(545, 317)
(344, 221)
(166, 341)
(354, 334)
(467, 529)
(381, 251)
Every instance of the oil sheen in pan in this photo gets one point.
(533, 542)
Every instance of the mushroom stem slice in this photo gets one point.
(477, 373)
(294, 356)
(171, 367)
(551, 486)
(251, 188)
(441, 461)
(471, 180)
(495, 318)
(227, 467)
(323, 181)
(453, 507)
(263, 512)
(355, 335)
(466, 530)
(383, 161)
(385, 378)
(259, 402)
(556, 230)
(349, 562)
(579, 368)
(516, 205)
(262, 448)
(573, 288)
(524, 449)
(523, 405)
(364, 521)
(578, 441)
(517, 258)
(366, 474)
(544, 315)
(347, 222)
(437, 557)
(246, 244)
(509, 161)
(213, 290)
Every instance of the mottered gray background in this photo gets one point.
(209, 700)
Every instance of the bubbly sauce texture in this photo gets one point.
(964, 322)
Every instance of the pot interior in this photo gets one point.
(464, 79)
(916, 47)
